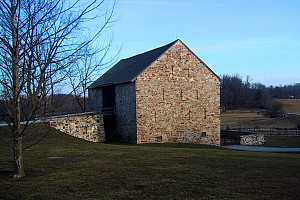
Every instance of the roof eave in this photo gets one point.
(110, 84)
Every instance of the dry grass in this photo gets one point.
(290, 105)
(252, 119)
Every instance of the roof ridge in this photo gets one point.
(171, 43)
(126, 70)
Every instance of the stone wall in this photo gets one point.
(178, 100)
(125, 112)
(253, 139)
(87, 126)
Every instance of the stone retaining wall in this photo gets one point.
(87, 126)
(253, 139)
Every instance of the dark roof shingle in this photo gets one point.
(128, 69)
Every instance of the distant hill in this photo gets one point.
(55, 105)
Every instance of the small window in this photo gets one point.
(197, 94)
(163, 94)
(181, 95)
(158, 139)
(187, 72)
(203, 134)
(205, 113)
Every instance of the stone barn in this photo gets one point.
(165, 95)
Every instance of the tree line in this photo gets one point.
(237, 93)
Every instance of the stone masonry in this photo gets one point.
(252, 139)
(87, 126)
(175, 98)
(178, 100)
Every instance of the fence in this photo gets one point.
(268, 131)
(233, 136)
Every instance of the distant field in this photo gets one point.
(290, 105)
(63, 168)
(252, 119)
(282, 141)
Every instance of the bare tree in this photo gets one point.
(39, 39)
(91, 61)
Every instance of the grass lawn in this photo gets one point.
(62, 167)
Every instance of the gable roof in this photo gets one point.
(126, 70)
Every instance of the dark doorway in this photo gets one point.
(108, 97)
(108, 110)
(110, 128)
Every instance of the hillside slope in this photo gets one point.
(62, 167)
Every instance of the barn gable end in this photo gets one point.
(164, 95)
(178, 100)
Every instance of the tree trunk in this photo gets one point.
(18, 149)
(18, 139)
(84, 100)
(18, 157)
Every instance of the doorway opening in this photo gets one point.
(108, 110)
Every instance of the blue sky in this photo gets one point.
(259, 38)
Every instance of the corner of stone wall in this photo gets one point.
(87, 126)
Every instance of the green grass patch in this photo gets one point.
(63, 167)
